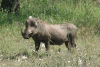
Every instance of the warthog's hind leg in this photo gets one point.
(67, 43)
(72, 40)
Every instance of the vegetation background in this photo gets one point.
(18, 52)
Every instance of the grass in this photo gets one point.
(13, 47)
(18, 52)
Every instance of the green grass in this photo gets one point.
(84, 14)
(13, 47)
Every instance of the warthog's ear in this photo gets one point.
(38, 20)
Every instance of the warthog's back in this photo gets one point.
(57, 34)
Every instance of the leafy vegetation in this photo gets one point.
(18, 52)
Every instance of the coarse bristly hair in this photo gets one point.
(42, 30)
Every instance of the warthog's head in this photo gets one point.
(30, 27)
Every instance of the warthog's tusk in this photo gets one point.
(30, 31)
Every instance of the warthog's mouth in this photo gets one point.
(26, 36)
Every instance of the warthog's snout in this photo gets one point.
(25, 35)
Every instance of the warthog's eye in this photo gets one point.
(33, 24)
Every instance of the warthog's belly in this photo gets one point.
(54, 42)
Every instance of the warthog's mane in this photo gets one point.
(42, 29)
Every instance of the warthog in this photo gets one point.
(49, 34)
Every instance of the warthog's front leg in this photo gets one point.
(37, 45)
(47, 43)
